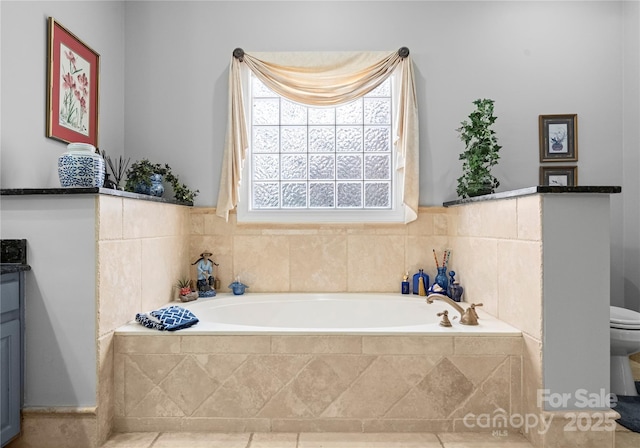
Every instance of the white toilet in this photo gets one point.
(624, 327)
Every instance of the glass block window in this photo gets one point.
(320, 158)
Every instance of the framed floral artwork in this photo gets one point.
(558, 138)
(72, 87)
(559, 176)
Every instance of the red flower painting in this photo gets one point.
(72, 100)
(74, 92)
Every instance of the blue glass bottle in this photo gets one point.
(416, 281)
(418, 277)
(442, 280)
(405, 284)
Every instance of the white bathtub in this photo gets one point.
(328, 313)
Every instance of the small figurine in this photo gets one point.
(205, 275)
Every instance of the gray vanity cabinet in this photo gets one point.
(11, 356)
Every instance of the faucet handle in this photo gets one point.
(470, 317)
(473, 309)
(445, 322)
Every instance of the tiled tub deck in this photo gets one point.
(306, 383)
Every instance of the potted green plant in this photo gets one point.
(481, 151)
(143, 174)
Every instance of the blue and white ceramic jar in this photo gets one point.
(156, 189)
(81, 166)
(153, 188)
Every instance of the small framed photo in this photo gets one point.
(559, 176)
(72, 87)
(558, 138)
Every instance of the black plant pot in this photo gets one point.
(480, 189)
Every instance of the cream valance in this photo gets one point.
(323, 79)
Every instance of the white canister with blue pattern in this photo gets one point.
(81, 166)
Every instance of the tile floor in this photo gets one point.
(624, 439)
(314, 440)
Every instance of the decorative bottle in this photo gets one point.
(419, 277)
(455, 289)
(405, 284)
(442, 280)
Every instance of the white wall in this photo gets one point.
(60, 305)
(531, 57)
(575, 299)
(27, 157)
(630, 240)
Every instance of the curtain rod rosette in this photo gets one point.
(323, 79)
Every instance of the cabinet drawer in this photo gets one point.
(9, 292)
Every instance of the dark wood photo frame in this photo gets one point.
(558, 138)
(559, 176)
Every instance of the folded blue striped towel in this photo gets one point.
(170, 318)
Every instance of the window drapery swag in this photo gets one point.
(323, 79)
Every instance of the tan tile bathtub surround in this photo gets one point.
(143, 249)
(498, 256)
(310, 383)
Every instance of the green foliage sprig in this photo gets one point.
(141, 171)
(481, 153)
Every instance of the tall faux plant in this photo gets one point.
(481, 152)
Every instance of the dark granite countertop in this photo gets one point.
(13, 256)
(9, 268)
(89, 190)
(534, 190)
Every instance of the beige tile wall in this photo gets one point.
(499, 254)
(142, 251)
(312, 383)
(323, 257)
